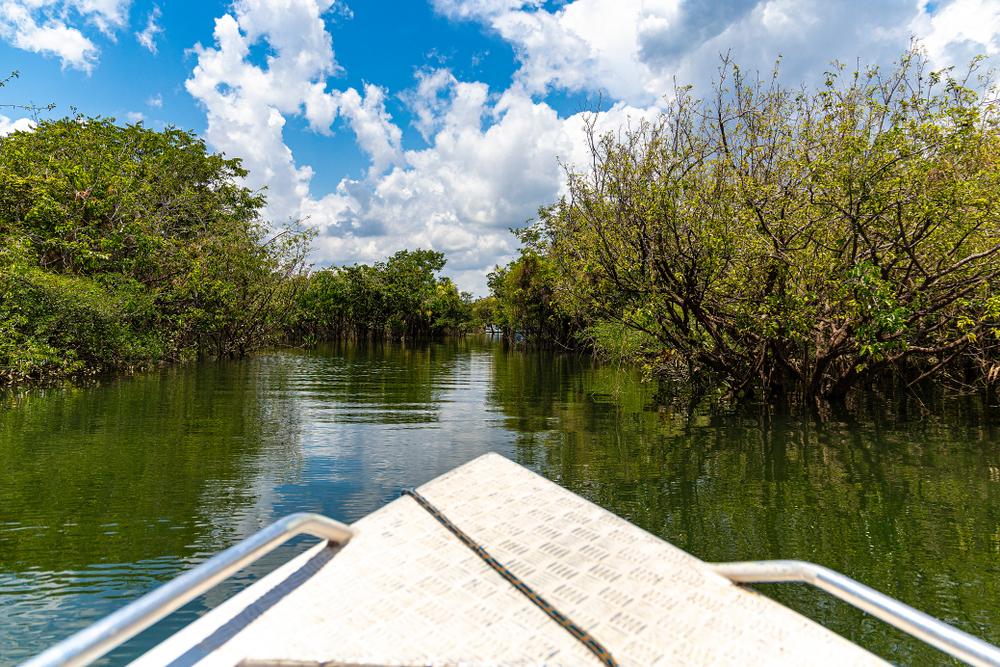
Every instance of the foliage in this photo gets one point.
(123, 247)
(57, 325)
(616, 342)
(525, 304)
(402, 297)
(786, 240)
(484, 314)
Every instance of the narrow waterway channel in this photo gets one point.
(107, 491)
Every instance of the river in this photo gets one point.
(108, 490)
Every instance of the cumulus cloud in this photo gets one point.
(959, 31)
(44, 26)
(377, 136)
(246, 103)
(633, 50)
(581, 45)
(491, 157)
(8, 125)
(147, 36)
(107, 15)
(429, 98)
(464, 9)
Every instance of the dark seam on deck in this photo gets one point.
(564, 621)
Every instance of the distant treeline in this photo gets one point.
(401, 298)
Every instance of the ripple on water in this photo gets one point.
(107, 491)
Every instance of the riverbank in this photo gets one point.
(673, 248)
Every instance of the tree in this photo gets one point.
(788, 240)
(401, 298)
(527, 303)
(145, 239)
(411, 283)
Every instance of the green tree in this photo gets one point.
(143, 246)
(411, 283)
(526, 292)
(401, 298)
(788, 240)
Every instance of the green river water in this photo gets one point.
(107, 491)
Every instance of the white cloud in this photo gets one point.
(147, 36)
(19, 26)
(581, 45)
(464, 9)
(106, 15)
(492, 157)
(633, 49)
(135, 116)
(155, 101)
(246, 104)
(960, 31)
(8, 125)
(377, 136)
(429, 98)
(43, 26)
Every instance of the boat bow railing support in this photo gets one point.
(113, 630)
(110, 632)
(939, 634)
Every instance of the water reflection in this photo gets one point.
(109, 490)
(911, 505)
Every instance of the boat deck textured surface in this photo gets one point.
(405, 591)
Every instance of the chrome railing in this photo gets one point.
(96, 640)
(939, 634)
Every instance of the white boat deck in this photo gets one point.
(405, 591)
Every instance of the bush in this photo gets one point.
(123, 247)
(794, 241)
(55, 326)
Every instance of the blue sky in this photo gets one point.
(431, 123)
(369, 48)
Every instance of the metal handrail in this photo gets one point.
(939, 634)
(113, 630)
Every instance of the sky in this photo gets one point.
(391, 124)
